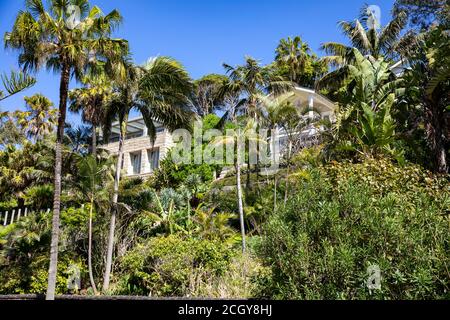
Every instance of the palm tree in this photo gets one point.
(367, 38)
(39, 119)
(91, 101)
(295, 61)
(237, 139)
(160, 91)
(248, 82)
(44, 37)
(252, 80)
(278, 113)
(78, 139)
(93, 176)
(15, 83)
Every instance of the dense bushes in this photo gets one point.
(169, 266)
(24, 258)
(345, 218)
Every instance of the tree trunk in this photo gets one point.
(240, 205)
(115, 199)
(437, 124)
(275, 194)
(91, 274)
(94, 142)
(288, 172)
(248, 184)
(52, 271)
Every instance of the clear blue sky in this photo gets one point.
(203, 34)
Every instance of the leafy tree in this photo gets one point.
(10, 134)
(207, 95)
(423, 13)
(42, 36)
(25, 167)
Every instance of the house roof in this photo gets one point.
(134, 125)
(302, 97)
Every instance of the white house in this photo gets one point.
(141, 158)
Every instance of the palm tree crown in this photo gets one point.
(367, 38)
(40, 118)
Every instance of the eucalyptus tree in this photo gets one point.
(206, 91)
(160, 90)
(39, 119)
(49, 36)
(366, 35)
(423, 13)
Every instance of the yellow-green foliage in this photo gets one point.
(383, 176)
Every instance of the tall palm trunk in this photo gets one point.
(275, 194)
(94, 141)
(91, 274)
(63, 92)
(240, 206)
(112, 226)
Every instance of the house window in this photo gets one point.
(153, 157)
(136, 162)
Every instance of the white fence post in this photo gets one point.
(12, 217)
(19, 214)
(26, 212)
(6, 218)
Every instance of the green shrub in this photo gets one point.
(336, 226)
(24, 258)
(383, 177)
(165, 266)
